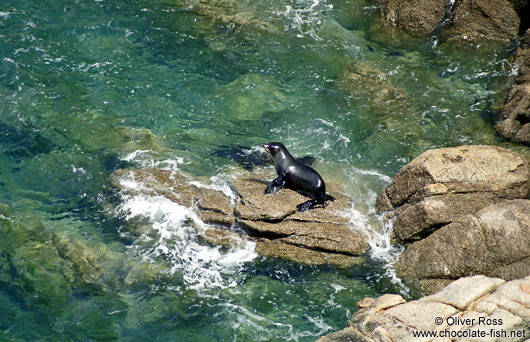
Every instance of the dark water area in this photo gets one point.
(89, 87)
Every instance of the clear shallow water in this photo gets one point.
(87, 87)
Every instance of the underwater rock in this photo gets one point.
(366, 79)
(251, 96)
(227, 12)
(485, 306)
(515, 115)
(436, 203)
(318, 236)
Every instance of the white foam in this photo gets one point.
(305, 16)
(364, 218)
(178, 239)
(220, 183)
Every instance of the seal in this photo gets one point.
(295, 176)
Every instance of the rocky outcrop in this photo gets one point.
(417, 18)
(482, 20)
(456, 210)
(494, 241)
(318, 236)
(515, 116)
(470, 309)
(464, 20)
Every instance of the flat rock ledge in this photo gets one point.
(475, 308)
(460, 211)
(318, 236)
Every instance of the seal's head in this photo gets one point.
(279, 154)
(274, 148)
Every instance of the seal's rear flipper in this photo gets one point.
(329, 198)
(305, 206)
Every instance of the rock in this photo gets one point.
(227, 12)
(417, 18)
(486, 306)
(318, 236)
(364, 78)
(275, 217)
(213, 207)
(515, 116)
(456, 210)
(465, 21)
(464, 169)
(482, 20)
(307, 256)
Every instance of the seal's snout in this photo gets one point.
(266, 147)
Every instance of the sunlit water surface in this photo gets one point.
(88, 87)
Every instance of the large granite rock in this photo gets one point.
(441, 205)
(318, 236)
(465, 20)
(488, 308)
(494, 241)
(515, 116)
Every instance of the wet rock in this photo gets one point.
(515, 115)
(274, 216)
(482, 20)
(480, 303)
(318, 236)
(212, 206)
(465, 21)
(414, 17)
(456, 210)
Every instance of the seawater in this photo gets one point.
(91, 86)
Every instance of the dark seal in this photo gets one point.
(295, 176)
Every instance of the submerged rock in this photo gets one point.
(227, 12)
(318, 236)
(480, 305)
(456, 210)
(515, 116)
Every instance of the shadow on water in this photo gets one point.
(20, 143)
(250, 158)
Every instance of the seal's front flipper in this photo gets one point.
(305, 206)
(276, 185)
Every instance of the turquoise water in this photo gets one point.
(88, 87)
